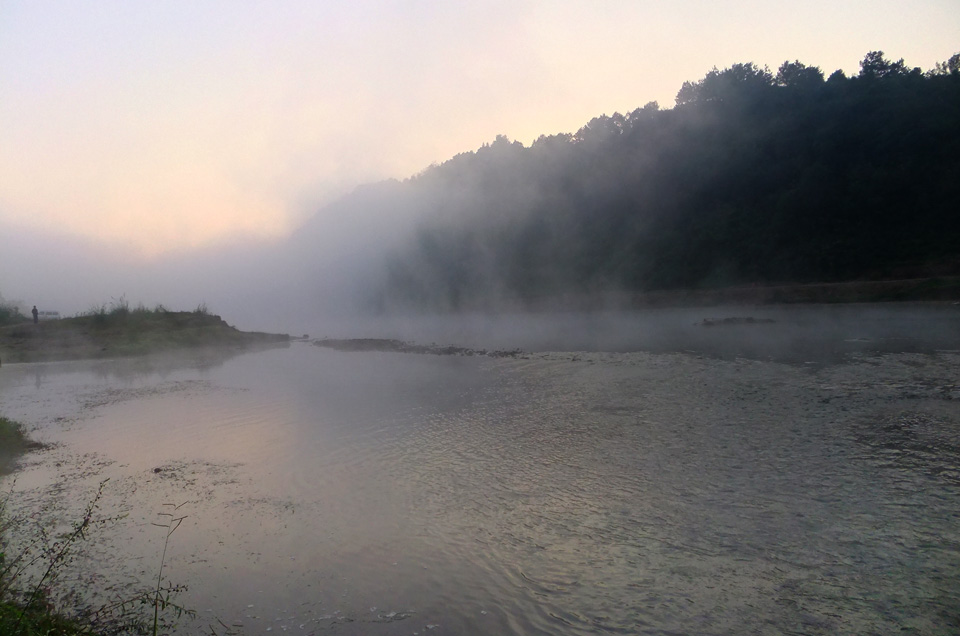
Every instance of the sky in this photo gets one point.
(133, 131)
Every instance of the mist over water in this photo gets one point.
(635, 472)
(326, 268)
(801, 333)
(721, 470)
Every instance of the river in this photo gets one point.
(801, 476)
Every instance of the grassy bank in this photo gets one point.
(123, 332)
(17, 617)
(12, 444)
(34, 559)
(15, 620)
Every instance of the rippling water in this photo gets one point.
(575, 493)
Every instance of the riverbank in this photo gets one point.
(123, 334)
(13, 443)
(16, 619)
(946, 288)
(16, 615)
(387, 345)
(928, 289)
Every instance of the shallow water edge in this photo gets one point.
(555, 493)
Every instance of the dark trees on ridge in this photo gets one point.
(752, 177)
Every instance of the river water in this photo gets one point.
(713, 484)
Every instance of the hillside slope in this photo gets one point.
(753, 178)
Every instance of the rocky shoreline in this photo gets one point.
(399, 346)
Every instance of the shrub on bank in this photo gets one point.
(33, 559)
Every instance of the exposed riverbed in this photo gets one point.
(638, 491)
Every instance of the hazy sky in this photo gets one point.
(160, 126)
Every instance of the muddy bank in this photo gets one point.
(399, 346)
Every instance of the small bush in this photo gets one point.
(120, 306)
(11, 437)
(10, 315)
(12, 443)
(29, 600)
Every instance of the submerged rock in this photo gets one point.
(735, 320)
(399, 346)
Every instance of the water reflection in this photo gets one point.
(803, 333)
(126, 370)
(383, 493)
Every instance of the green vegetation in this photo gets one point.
(32, 566)
(118, 330)
(26, 609)
(9, 313)
(12, 443)
(753, 178)
(11, 437)
(27, 575)
(37, 621)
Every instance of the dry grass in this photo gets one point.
(120, 331)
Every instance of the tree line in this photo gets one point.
(753, 177)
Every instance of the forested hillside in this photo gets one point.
(752, 177)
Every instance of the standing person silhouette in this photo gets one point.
(36, 314)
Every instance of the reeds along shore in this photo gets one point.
(120, 332)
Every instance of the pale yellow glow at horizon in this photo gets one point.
(176, 126)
